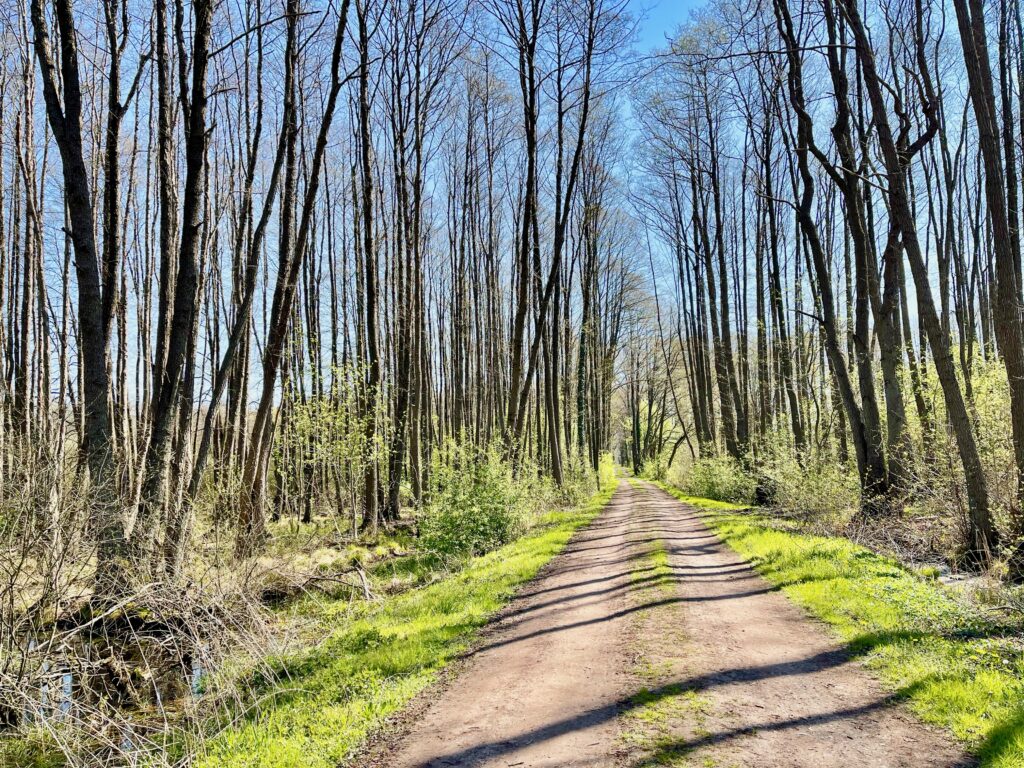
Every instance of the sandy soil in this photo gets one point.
(554, 680)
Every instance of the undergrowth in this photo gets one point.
(954, 664)
(718, 477)
(333, 666)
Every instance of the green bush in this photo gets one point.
(607, 476)
(579, 482)
(655, 470)
(819, 490)
(476, 503)
(720, 478)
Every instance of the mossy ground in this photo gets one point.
(955, 665)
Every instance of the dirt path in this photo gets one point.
(769, 686)
(612, 657)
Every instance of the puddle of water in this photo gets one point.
(60, 690)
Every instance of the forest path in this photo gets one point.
(649, 642)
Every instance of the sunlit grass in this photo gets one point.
(955, 666)
(319, 706)
(712, 504)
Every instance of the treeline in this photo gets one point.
(834, 192)
(260, 260)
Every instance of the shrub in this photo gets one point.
(578, 482)
(476, 503)
(655, 469)
(607, 477)
(818, 490)
(720, 478)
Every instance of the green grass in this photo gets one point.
(654, 714)
(955, 666)
(712, 504)
(319, 706)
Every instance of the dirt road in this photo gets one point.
(649, 642)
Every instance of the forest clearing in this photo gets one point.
(511, 382)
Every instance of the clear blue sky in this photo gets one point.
(659, 18)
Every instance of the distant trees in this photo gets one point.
(853, 158)
(311, 242)
(283, 252)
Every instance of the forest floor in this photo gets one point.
(647, 642)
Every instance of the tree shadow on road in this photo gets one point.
(667, 750)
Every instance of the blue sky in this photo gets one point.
(659, 17)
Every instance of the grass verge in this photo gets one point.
(955, 665)
(319, 706)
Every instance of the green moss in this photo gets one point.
(955, 666)
(316, 708)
